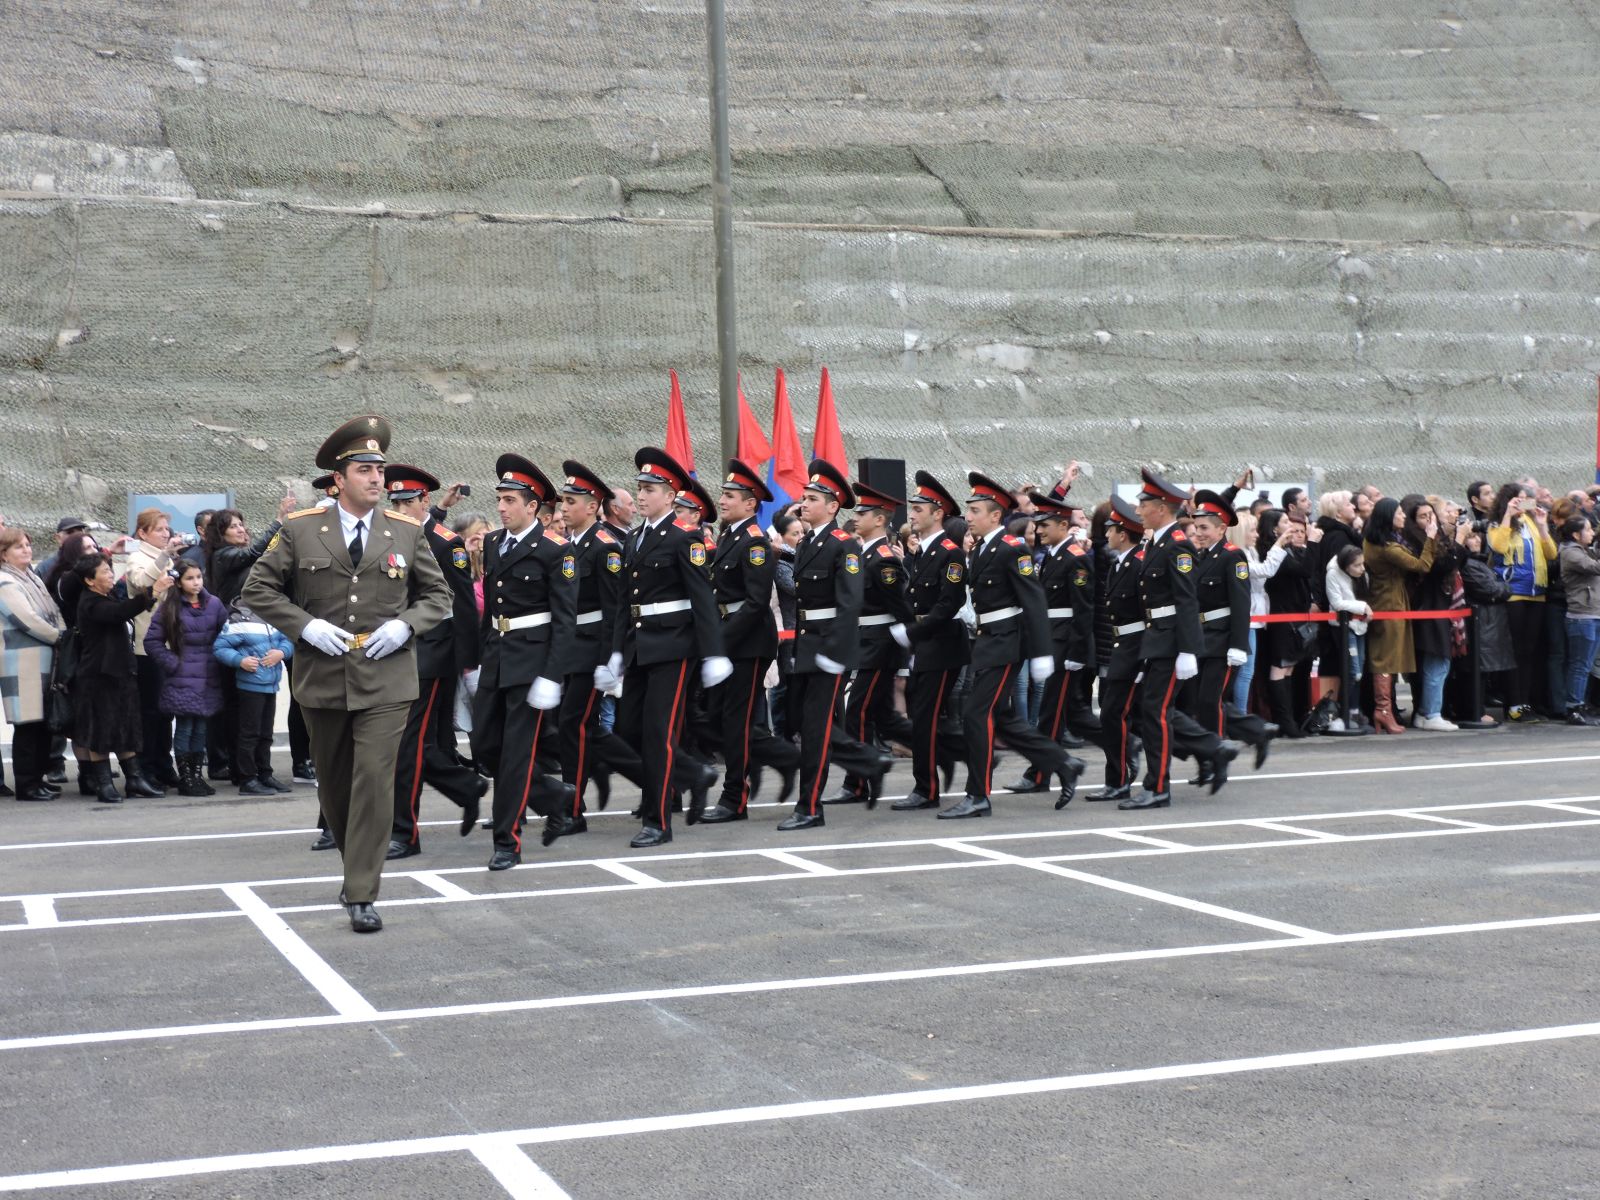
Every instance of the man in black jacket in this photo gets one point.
(1122, 608)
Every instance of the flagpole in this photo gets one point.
(722, 226)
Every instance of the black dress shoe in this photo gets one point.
(56, 775)
(364, 918)
(470, 810)
(1069, 773)
(560, 826)
(1262, 746)
(947, 770)
(504, 860)
(721, 813)
(1070, 740)
(1147, 800)
(303, 771)
(790, 777)
(54, 791)
(752, 779)
(913, 802)
(324, 841)
(800, 820)
(1226, 753)
(699, 793)
(404, 849)
(650, 836)
(276, 784)
(138, 785)
(968, 806)
(845, 795)
(602, 787)
(36, 794)
(254, 787)
(1110, 793)
(1202, 776)
(219, 771)
(1027, 785)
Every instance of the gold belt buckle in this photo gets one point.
(360, 641)
(635, 609)
(502, 625)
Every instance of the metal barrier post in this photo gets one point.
(1479, 719)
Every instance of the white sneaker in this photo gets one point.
(1435, 724)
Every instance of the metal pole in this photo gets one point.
(722, 227)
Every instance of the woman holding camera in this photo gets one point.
(1520, 552)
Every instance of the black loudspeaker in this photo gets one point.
(888, 474)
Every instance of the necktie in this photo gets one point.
(355, 545)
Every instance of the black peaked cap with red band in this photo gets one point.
(581, 481)
(1209, 503)
(1157, 488)
(1126, 515)
(1048, 506)
(657, 466)
(405, 482)
(326, 484)
(740, 478)
(694, 495)
(513, 473)
(868, 496)
(931, 491)
(984, 488)
(822, 476)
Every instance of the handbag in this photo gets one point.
(1304, 635)
(62, 670)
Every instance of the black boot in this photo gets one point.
(86, 777)
(1280, 697)
(186, 780)
(197, 766)
(100, 780)
(135, 781)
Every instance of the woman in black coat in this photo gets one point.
(1336, 524)
(105, 692)
(1289, 591)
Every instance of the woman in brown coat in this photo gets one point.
(1393, 571)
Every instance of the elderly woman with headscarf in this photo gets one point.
(30, 627)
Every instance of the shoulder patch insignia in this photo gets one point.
(1184, 561)
(569, 566)
(602, 534)
(1080, 577)
(842, 536)
(304, 512)
(852, 561)
(459, 558)
(954, 571)
(1242, 569)
(758, 555)
(697, 553)
(273, 544)
(400, 516)
(1024, 565)
(1178, 535)
(614, 561)
(889, 574)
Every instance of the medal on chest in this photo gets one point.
(395, 565)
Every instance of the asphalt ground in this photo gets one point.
(1368, 970)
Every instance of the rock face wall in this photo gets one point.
(1344, 241)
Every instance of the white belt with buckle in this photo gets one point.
(818, 614)
(1058, 612)
(877, 619)
(1131, 627)
(1215, 614)
(529, 621)
(1166, 610)
(661, 609)
(999, 614)
(588, 618)
(732, 606)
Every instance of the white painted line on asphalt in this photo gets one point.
(803, 864)
(792, 1111)
(1279, 827)
(452, 891)
(632, 874)
(522, 1178)
(1467, 764)
(804, 983)
(1557, 804)
(335, 989)
(39, 912)
(1133, 889)
(1142, 839)
(1438, 820)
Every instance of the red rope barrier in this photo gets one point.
(1442, 614)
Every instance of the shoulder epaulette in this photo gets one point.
(602, 534)
(304, 512)
(948, 544)
(885, 552)
(1012, 541)
(554, 537)
(1074, 548)
(753, 529)
(1179, 535)
(399, 516)
(1229, 546)
(841, 535)
(449, 535)
(1139, 553)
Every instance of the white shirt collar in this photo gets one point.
(874, 542)
(991, 535)
(513, 539)
(1162, 530)
(347, 523)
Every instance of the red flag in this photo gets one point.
(678, 429)
(827, 443)
(754, 449)
(787, 478)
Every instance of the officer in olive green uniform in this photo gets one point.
(351, 583)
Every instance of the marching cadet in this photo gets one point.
(827, 576)
(1170, 648)
(742, 572)
(428, 745)
(939, 641)
(1011, 629)
(870, 714)
(1222, 592)
(1119, 682)
(1066, 572)
(352, 583)
(669, 621)
(530, 585)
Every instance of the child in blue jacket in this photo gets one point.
(256, 652)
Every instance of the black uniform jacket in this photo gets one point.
(1067, 576)
(597, 558)
(1002, 577)
(538, 575)
(883, 594)
(1172, 621)
(827, 584)
(669, 565)
(1222, 592)
(1124, 607)
(938, 589)
(451, 646)
(742, 571)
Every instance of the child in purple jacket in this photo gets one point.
(180, 638)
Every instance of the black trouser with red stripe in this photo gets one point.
(650, 718)
(505, 742)
(1167, 729)
(583, 743)
(424, 758)
(1119, 710)
(811, 706)
(990, 716)
(731, 707)
(927, 693)
(1207, 694)
(869, 713)
(1054, 707)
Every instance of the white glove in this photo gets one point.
(1186, 667)
(604, 680)
(898, 632)
(614, 665)
(1041, 668)
(390, 637)
(828, 665)
(1238, 658)
(327, 637)
(968, 615)
(544, 694)
(714, 670)
(1069, 665)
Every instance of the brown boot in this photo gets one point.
(1383, 710)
